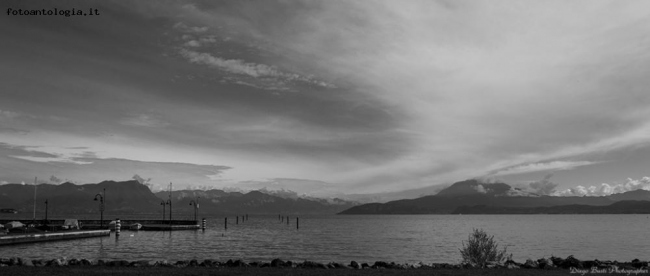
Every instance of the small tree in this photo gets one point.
(481, 249)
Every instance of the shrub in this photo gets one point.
(481, 249)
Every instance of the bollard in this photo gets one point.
(203, 224)
(225, 224)
(287, 220)
(297, 223)
(118, 226)
(237, 222)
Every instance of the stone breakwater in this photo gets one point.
(570, 263)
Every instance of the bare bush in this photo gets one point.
(481, 250)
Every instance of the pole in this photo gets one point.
(103, 207)
(46, 212)
(35, 181)
(170, 203)
(163, 203)
(225, 223)
(297, 223)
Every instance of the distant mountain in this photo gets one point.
(620, 207)
(474, 197)
(131, 197)
(389, 196)
(254, 202)
(122, 197)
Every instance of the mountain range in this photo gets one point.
(475, 197)
(132, 197)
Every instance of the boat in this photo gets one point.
(135, 226)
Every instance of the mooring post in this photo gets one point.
(203, 224)
(282, 219)
(118, 226)
(287, 220)
(297, 223)
(225, 224)
(237, 221)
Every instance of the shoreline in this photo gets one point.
(569, 264)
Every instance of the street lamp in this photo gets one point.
(46, 212)
(196, 207)
(162, 202)
(102, 198)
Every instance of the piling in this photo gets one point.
(287, 220)
(118, 226)
(246, 217)
(282, 219)
(237, 221)
(203, 224)
(225, 224)
(278, 216)
(297, 223)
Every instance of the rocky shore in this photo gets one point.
(553, 263)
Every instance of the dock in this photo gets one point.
(51, 236)
(167, 227)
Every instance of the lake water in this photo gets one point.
(366, 238)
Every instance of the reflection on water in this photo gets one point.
(408, 238)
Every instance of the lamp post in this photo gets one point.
(196, 207)
(102, 198)
(46, 212)
(163, 203)
(169, 201)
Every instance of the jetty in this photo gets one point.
(52, 236)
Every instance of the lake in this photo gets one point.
(366, 238)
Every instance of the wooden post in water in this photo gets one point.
(278, 216)
(246, 217)
(237, 222)
(287, 220)
(297, 223)
(282, 219)
(225, 223)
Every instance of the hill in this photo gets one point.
(254, 202)
(131, 197)
(474, 197)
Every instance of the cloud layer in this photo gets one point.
(375, 97)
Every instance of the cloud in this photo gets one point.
(194, 29)
(55, 180)
(544, 187)
(8, 114)
(144, 120)
(542, 166)
(140, 179)
(605, 189)
(59, 159)
(234, 66)
(479, 188)
(193, 43)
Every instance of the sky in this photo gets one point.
(325, 97)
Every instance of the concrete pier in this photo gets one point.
(52, 236)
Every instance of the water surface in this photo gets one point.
(366, 238)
